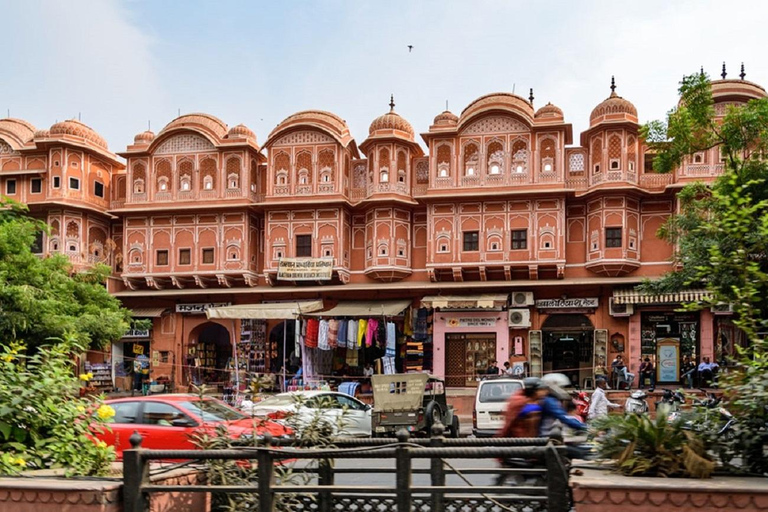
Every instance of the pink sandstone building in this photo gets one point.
(506, 238)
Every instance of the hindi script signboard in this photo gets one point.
(305, 269)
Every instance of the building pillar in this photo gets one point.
(634, 349)
(707, 339)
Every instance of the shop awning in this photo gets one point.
(632, 296)
(270, 311)
(486, 301)
(148, 312)
(365, 308)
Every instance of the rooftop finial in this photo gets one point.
(446, 105)
(742, 74)
(723, 74)
(530, 96)
(149, 125)
(702, 71)
(613, 85)
(392, 103)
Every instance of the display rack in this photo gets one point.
(102, 375)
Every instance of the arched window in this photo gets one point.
(471, 157)
(631, 154)
(384, 163)
(519, 156)
(304, 167)
(614, 152)
(326, 161)
(282, 166)
(597, 155)
(443, 161)
(495, 157)
(208, 173)
(139, 178)
(548, 155)
(163, 175)
(233, 173)
(402, 166)
(185, 167)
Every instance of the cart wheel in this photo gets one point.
(455, 430)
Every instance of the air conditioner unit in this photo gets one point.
(722, 309)
(620, 309)
(519, 318)
(522, 299)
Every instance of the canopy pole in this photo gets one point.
(237, 364)
(285, 334)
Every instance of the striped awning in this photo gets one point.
(633, 296)
(485, 301)
(148, 312)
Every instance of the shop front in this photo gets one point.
(470, 334)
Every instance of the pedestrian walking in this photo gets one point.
(600, 404)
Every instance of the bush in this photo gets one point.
(645, 446)
(43, 422)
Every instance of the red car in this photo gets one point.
(167, 422)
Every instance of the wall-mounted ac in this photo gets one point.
(722, 309)
(620, 309)
(519, 318)
(522, 299)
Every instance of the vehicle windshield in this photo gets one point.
(212, 411)
(500, 391)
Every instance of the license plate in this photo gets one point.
(380, 430)
(497, 417)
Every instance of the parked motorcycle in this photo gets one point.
(712, 412)
(673, 399)
(636, 403)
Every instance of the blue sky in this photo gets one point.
(122, 63)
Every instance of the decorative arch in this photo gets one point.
(548, 153)
(97, 242)
(631, 153)
(139, 178)
(519, 156)
(326, 161)
(614, 152)
(471, 158)
(304, 168)
(186, 172)
(208, 173)
(495, 152)
(163, 176)
(402, 166)
(596, 155)
(384, 163)
(73, 236)
(282, 165)
(233, 167)
(444, 160)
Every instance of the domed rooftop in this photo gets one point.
(390, 124)
(42, 134)
(241, 132)
(75, 128)
(326, 121)
(144, 137)
(207, 122)
(498, 101)
(18, 129)
(613, 108)
(735, 90)
(446, 118)
(549, 111)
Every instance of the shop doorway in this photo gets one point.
(568, 346)
(468, 357)
(213, 353)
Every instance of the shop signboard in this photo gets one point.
(137, 333)
(470, 322)
(577, 303)
(138, 349)
(305, 269)
(155, 358)
(199, 308)
(668, 359)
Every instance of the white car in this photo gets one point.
(490, 404)
(355, 415)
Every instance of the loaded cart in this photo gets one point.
(413, 401)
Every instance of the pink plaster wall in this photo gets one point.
(501, 329)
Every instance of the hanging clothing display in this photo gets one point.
(381, 334)
(420, 325)
(370, 332)
(297, 338)
(322, 335)
(313, 327)
(408, 322)
(352, 327)
(391, 338)
(333, 333)
(362, 328)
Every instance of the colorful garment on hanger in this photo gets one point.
(333, 333)
(370, 332)
(322, 336)
(352, 326)
(381, 335)
(420, 325)
(297, 342)
(391, 339)
(408, 322)
(313, 327)
(362, 327)
(342, 337)
(389, 365)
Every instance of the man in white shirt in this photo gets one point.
(599, 404)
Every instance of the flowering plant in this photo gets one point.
(43, 422)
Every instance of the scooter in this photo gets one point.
(636, 403)
(674, 399)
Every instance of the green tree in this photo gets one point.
(41, 298)
(721, 235)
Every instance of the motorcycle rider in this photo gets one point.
(523, 414)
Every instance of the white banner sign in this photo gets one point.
(199, 309)
(305, 269)
(470, 322)
(590, 302)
